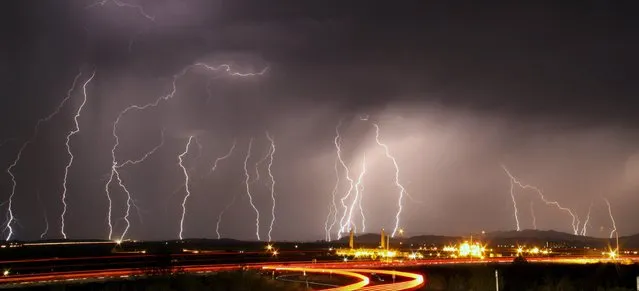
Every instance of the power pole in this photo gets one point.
(496, 280)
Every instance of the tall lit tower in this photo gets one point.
(351, 239)
(383, 240)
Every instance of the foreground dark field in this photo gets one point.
(523, 277)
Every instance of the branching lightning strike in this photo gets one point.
(10, 217)
(224, 157)
(130, 202)
(612, 219)
(332, 209)
(44, 214)
(73, 132)
(534, 217)
(516, 211)
(219, 217)
(119, 3)
(338, 141)
(186, 183)
(270, 174)
(575, 219)
(399, 185)
(114, 167)
(248, 190)
(584, 228)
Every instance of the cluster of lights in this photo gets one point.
(272, 250)
(377, 253)
(466, 250)
(533, 251)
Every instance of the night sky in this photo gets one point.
(458, 89)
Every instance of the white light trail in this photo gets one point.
(534, 217)
(114, 164)
(73, 132)
(612, 219)
(270, 174)
(356, 199)
(10, 217)
(224, 157)
(338, 147)
(119, 3)
(575, 219)
(402, 190)
(248, 190)
(585, 226)
(332, 209)
(186, 183)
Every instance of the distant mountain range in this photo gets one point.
(524, 237)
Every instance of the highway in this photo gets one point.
(134, 265)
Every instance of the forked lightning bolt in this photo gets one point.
(332, 208)
(584, 229)
(70, 163)
(248, 190)
(129, 201)
(114, 166)
(224, 157)
(356, 199)
(402, 190)
(359, 188)
(612, 219)
(119, 3)
(338, 141)
(512, 195)
(575, 219)
(10, 217)
(46, 218)
(534, 217)
(186, 183)
(270, 174)
(219, 217)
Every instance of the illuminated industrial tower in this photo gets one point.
(383, 240)
(351, 239)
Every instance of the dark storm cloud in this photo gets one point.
(546, 88)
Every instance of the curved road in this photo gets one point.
(354, 269)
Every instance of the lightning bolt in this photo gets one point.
(219, 217)
(70, 163)
(224, 157)
(119, 3)
(512, 195)
(248, 190)
(186, 183)
(338, 148)
(44, 214)
(114, 167)
(130, 202)
(333, 206)
(402, 190)
(614, 225)
(357, 196)
(257, 165)
(360, 192)
(270, 174)
(534, 217)
(10, 217)
(575, 219)
(585, 226)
